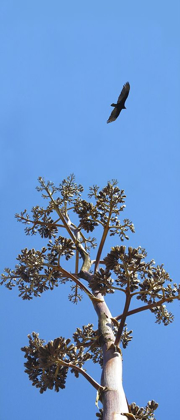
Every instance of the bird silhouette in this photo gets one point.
(120, 103)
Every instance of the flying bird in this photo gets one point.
(120, 103)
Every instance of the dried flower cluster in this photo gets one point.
(47, 365)
(121, 270)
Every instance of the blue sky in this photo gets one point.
(62, 65)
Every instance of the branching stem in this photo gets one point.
(39, 222)
(123, 319)
(103, 239)
(89, 378)
(77, 282)
(150, 306)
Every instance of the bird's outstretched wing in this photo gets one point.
(114, 114)
(124, 93)
(120, 103)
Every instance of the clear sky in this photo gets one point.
(62, 64)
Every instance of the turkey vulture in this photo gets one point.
(120, 103)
